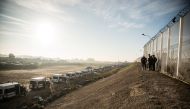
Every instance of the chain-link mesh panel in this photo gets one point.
(184, 69)
(173, 52)
(152, 47)
(154, 50)
(158, 56)
(164, 52)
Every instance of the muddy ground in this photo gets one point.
(130, 88)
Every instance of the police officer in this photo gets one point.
(154, 59)
(143, 62)
(150, 62)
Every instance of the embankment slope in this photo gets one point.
(129, 88)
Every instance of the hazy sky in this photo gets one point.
(101, 29)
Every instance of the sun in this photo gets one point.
(44, 33)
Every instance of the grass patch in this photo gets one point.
(130, 66)
(75, 84)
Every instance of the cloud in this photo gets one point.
(130, 25)
(125, 25)
(49, 8)
(127, 14)
(138, 12)
(68, 2)
(130, 14)
(14, 18)
(38, 5)
(112, 11)
(149, 10)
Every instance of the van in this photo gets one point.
(9, 90)
(58, 78)
(70, 75)
(37, 83)
(78, 73)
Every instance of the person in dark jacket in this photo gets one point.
(154, 60)
(143, 62)
(149, 62)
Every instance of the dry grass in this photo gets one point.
(129, 88)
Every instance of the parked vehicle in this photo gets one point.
(38, 82)
(58, 78)
(85, 72)
(89, 68)
(78, 73)
(70, 75)
(9, 90)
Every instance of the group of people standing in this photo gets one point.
(149, 63)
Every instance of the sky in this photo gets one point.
(106, 30)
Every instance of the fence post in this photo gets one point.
(180, 44)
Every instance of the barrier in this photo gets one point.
(171, 45)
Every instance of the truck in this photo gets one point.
(9, 90)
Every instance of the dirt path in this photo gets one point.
(130, 88)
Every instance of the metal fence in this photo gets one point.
(171, 45)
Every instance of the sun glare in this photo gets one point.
(44, 33)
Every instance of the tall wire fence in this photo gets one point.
(171, 45)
